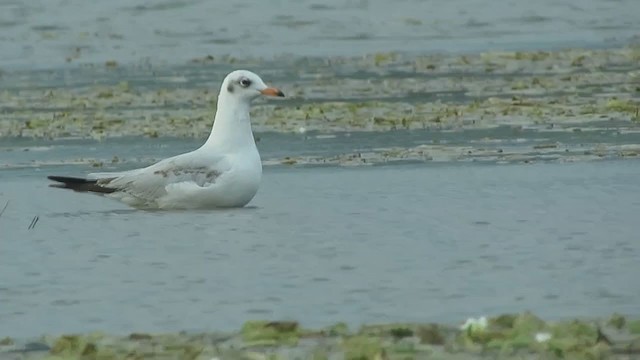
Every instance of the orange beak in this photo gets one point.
(270, 91)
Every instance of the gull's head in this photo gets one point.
(244, 84)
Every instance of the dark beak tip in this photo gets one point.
(280, 93)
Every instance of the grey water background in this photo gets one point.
(44, 33)
(417, 242)
(437, 241)
(430, 243)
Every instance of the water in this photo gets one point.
(422, 242)
(436, 241)
(52, 33)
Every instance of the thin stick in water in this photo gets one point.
(4, 208)
(33, 222)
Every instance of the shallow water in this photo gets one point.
(418, 242)
(51, 33)
(435, 241)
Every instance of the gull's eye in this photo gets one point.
(244, 82)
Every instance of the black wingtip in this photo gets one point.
(69, 179)
(79, 184)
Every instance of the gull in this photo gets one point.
(224, 172)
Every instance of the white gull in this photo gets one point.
(224, 172)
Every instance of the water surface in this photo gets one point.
(432, 241)
(53, 33)
(421, 242)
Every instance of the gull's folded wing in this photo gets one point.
(150, 183)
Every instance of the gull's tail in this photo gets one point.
(79, 184)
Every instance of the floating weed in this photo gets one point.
(105, 94)
(124, 86)
(339, 329)
(528, 323)
(403, 347)
(575, 329)
(505, 333)
(588, 110)
(69, 345)
(523, 336)
(362, 348)
(394, 329)
(401, 332)
(634, 327)
(383, 58)
(270, 332)
(619, 105)
(560, 94)
(504, 321)
(289, 161)
(578, 61)
(617, 321)
(431, 334)
(319, 354)
(531, 56)
(139, 336)
(520, 85)
(111, 64)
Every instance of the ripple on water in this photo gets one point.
(298, 255)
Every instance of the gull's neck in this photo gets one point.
(231, 129)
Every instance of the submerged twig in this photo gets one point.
(4, 208)
(33, 222)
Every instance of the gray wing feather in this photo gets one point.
(150, 183)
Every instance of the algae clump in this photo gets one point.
(270, 332)
(72, 346)
(627, 106)
(431, 334)
(362, 348)
(506, 333)
(634, 327)
(617, 321)
(339, 329)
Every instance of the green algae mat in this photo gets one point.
(507, 336)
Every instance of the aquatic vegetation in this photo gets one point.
(111, 64)
(140, 336)
(73, 345)
(339, 329)
(393, 94)
(382, 58)
(401, 332)
(617, 321)
(634, 327)
(289, 161)
(506, 336)
(270, 332)
(431, 334)
(362, 348)
(626, 106)
(510, 334)
(578, 60)
(472, 325)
